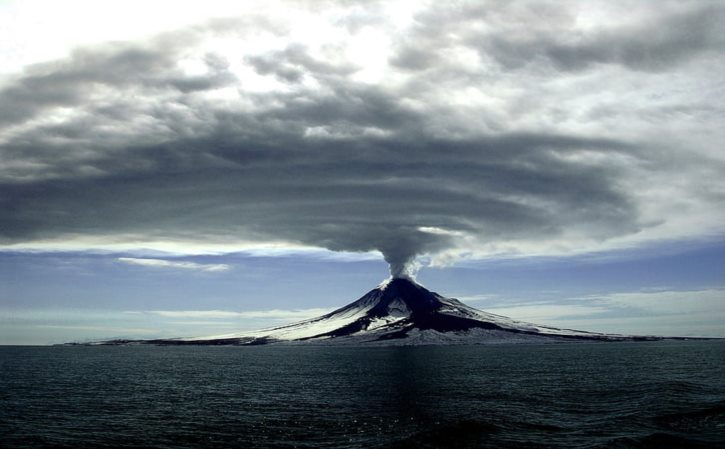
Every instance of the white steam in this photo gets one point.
(405, 268)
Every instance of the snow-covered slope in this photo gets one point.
(401, 312)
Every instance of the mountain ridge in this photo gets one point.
(399, 311)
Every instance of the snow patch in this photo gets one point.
(385, 315)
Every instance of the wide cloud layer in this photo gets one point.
(535, 127)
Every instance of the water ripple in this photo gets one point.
(604, 395)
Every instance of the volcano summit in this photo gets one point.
(399, 312)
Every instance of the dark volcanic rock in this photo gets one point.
(399, 311)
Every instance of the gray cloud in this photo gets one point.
(656, 46)
(148, 153)
(519, 34)
(292, 63)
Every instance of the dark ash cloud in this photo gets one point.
(145, 151)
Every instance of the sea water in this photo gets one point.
(578, 395)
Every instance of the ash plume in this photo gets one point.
(117, 142)
(404, 269)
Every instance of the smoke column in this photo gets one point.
(404, 267)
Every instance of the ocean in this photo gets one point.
(668, 394)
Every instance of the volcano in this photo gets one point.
(399, 312)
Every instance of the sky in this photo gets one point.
(192, 168)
